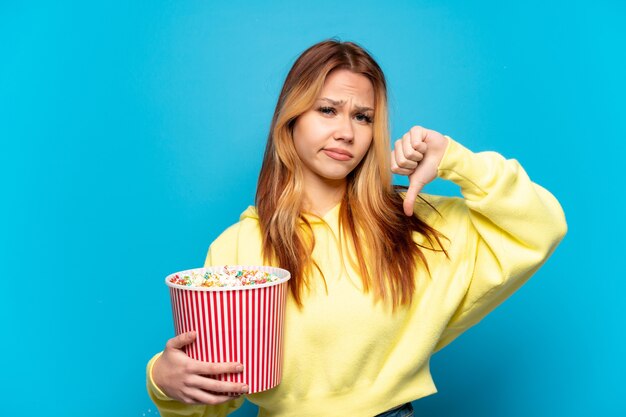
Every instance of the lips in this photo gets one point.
(338, 154)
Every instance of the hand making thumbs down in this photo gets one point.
(417, 155)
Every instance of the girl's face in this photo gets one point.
(333, 137)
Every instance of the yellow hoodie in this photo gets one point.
(348, 356)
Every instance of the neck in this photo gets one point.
(321, 194)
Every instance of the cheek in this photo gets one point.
(298, 139)
(366, 144)
(364, 151)
(301, 143)
(364, 154)
(308, 135)
(297, 134)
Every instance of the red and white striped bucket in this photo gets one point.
(235, 324)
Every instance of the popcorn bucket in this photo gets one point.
(235, 324)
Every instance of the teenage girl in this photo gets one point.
(381, 279)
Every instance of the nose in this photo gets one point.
(345, 130)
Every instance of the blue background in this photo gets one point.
(132, 135)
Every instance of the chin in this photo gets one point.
(335, 176)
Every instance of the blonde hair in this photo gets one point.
(371, 210)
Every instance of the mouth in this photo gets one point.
(338, 154)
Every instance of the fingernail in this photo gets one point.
(244, 388)
(239, 368)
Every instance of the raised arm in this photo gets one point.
(501, 232)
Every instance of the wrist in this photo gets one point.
(153, 376)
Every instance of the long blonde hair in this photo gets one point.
(371, 210)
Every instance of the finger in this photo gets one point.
(425, 173)
(198, 396)
(417, 134)
(217, 368)
(411, 195)
(401, 159)
(421, 147)
(410, 151)
(181, 340)
(402, 171)
(213, 385)
(427, 170)
(396, 169)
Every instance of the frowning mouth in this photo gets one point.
(338, 154)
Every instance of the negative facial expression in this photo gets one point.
(335, 134)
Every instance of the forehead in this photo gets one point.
(343, 84)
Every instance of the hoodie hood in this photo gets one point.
(249, 213)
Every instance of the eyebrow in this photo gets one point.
(342, 102)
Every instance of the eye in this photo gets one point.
(327, 110)
(361, 117)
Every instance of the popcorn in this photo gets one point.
(227, 276)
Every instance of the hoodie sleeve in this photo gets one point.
(509, 227)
